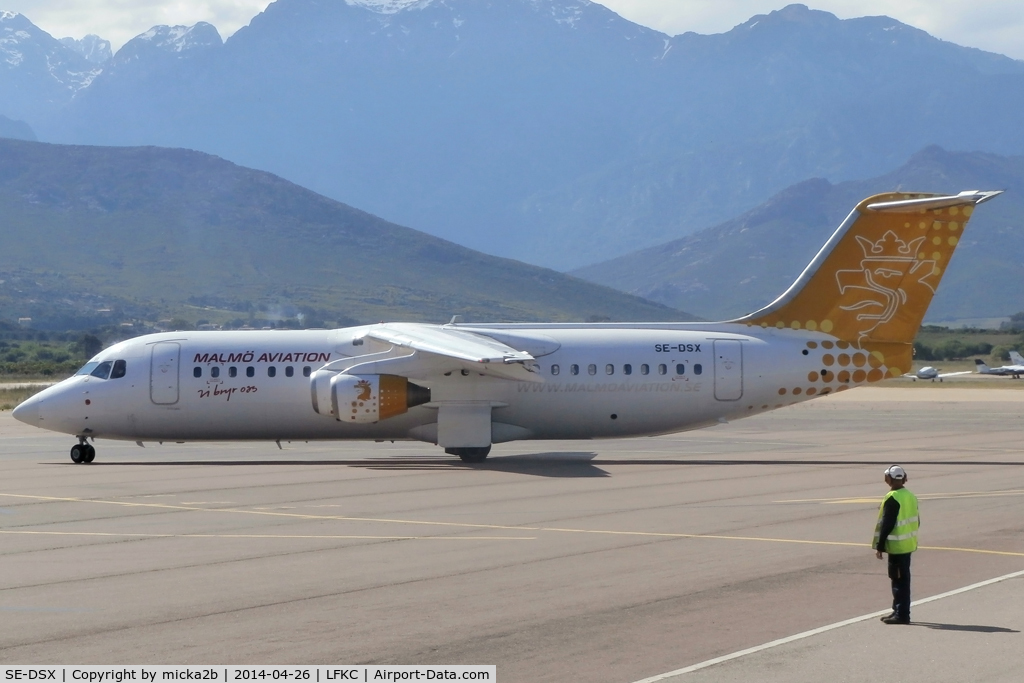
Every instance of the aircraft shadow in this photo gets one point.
(578, 464)
(964, 627)
(571, 464)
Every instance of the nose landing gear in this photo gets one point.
(82, 453)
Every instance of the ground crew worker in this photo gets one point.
(896, 534)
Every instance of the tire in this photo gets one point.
(78, 454)
(90, 454)
(470, 454)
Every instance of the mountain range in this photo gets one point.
(551, 131)
(151, 232)
(744, 263)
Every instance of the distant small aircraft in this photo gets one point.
(1014, 371)
(928, 372)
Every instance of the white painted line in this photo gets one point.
(816, 631)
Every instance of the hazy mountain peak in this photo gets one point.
(15, 20)
(31, 54)
(17, 130)
(182, 38)
(792, 13)
(163, 42)
(14, 29)
(388, 6)
(92, 47)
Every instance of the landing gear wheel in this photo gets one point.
(470, 454)
(79, 452)
(90, 454)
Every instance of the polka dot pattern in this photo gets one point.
(857, 366)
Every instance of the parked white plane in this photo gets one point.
(849, 319)
(1014, 371)
(928, 372)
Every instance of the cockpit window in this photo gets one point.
(102, 370)
(120, 368)
(88, 368)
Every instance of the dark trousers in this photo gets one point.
(899, 573)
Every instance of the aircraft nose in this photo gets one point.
(28, 411)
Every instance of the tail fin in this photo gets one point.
(981, 366)
(872, 282)
(1016, 358)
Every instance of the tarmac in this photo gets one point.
(627, 560)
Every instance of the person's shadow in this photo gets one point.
(964, 627)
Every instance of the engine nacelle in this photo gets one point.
(363, 399)
(320, 386)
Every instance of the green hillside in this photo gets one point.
(745, 263)
(151, 232)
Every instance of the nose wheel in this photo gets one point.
(82, 453)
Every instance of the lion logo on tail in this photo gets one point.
(889, 267)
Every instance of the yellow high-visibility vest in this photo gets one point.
(903, 538)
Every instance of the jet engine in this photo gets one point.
(363, 399)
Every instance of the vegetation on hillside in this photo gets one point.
(94, 235)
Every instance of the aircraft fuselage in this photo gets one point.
(598, 382)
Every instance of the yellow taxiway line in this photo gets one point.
(466, 525)
(920, 496)
(274, 536)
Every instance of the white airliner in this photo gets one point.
(849, 319)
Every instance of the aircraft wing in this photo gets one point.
(440, 347)
(954, 374)
(448, 342)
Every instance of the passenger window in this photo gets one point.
(215, 372)
(697, 369)
(250, 371)
(574, 369)
(627, 369)
(289, 371)
(120, 368)
(272, 371)
(592, 369)
(102, 370)
(609, 369)
(645, 369)
(680, 369)
(357, 342)
(662, 369)
(555, 370)
(232, 371)
(197, 371)
(307, 371)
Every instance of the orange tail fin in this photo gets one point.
(872, 282)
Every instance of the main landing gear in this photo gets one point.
(470, 454)
(82, 453)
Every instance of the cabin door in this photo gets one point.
(163, 373)
(728, 370)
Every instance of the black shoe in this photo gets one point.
(893, 619)
(888, 616)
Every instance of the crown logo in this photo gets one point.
(889, 247)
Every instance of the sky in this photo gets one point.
(994, 25)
